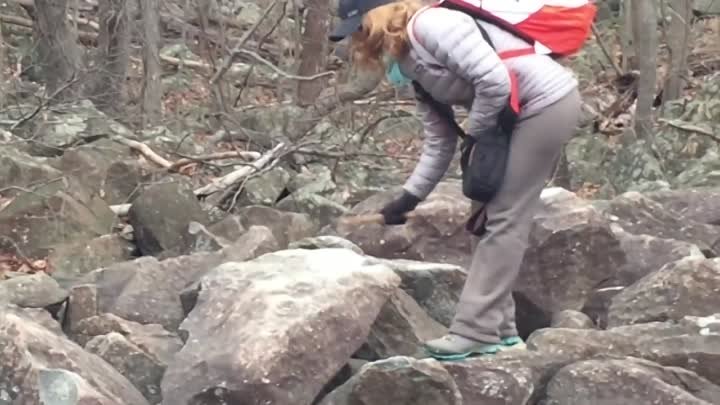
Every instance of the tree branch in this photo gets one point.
(144, 150)
(606, 52)
(279, 71)
(236, 176)
(228, 60)
(245, 155)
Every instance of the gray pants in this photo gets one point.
(486, 311)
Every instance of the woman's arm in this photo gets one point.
(454, 40)
(439, 144)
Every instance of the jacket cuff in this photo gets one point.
(419, 193)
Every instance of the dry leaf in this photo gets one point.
(4, 202)
(40, 264)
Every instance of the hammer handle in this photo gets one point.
(370, 219)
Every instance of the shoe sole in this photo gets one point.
(518, 345)
(512, 341)
(462, 356)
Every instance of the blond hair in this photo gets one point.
(383, 31)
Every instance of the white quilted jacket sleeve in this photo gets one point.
(439, 144)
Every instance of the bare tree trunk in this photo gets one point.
(313, 56)
(3, 64)
(112, 58)
(627, 37)
(646, 44)
(678, 41)
(58, 52)
(152, 86)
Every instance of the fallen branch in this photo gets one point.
(233, 193)
(84, 36)
(144, 150)
(230, 179)
(234, 70)
(28, 23)
(217, 185)
(120, 210)
(154, 157)
(245, 155)
(11, 19)
(84, 21)
(82, 7)
(194, 64)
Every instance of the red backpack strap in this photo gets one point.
(514, 53)
(514, 92)
(514, 89)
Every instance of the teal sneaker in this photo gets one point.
(512, 340)
(513, 343)
(454, 347)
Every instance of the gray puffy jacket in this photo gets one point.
(453, 62)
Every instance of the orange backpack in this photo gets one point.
(555, 27)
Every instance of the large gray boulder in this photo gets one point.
(692, 343)
(628, 381)
(277, 328)
(161, 215)
(400, 329)
(700, 204)
(687, 286)
(55, 213)
(40, 366)
(640, 215)
(147, 290)
(286, 226)
(399, 381)
(572, 253)
(646, 254)
(139, 352)
(436, 287)
(18, 169)
(31, 291)
(659, 363)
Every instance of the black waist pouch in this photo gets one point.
(483, 157)
(483, 160)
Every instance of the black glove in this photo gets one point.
(394, 212)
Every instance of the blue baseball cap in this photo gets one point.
(351, 13)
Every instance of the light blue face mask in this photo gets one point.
(394, 75)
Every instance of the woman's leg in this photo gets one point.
(508, 328)
(486, 310)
